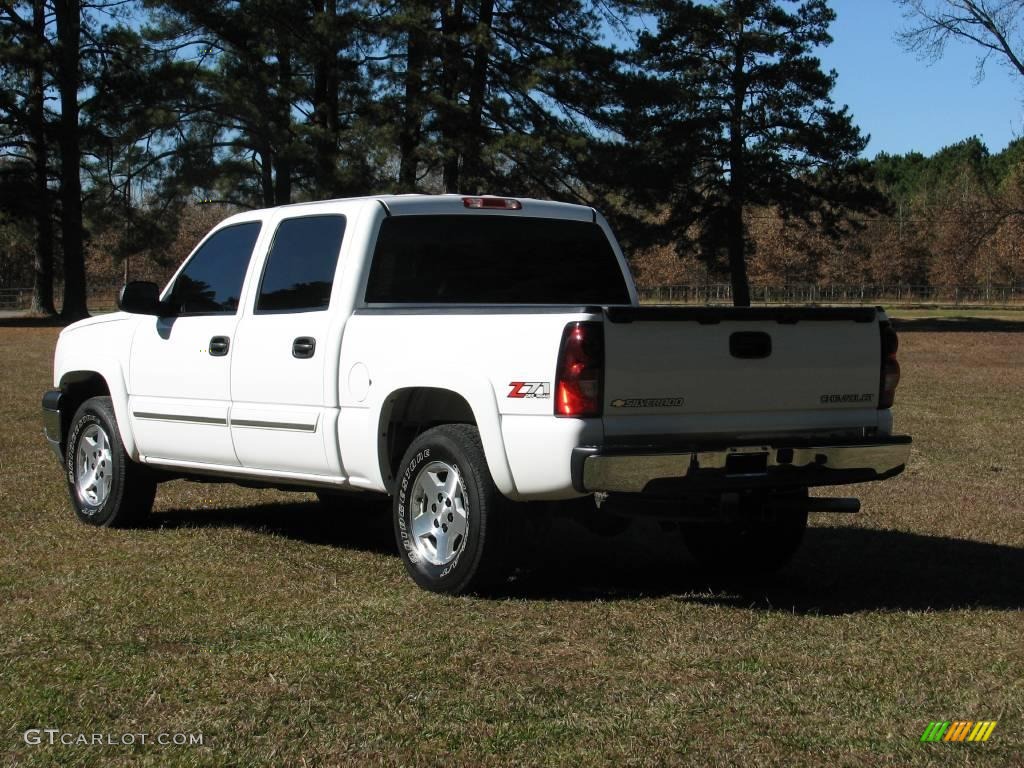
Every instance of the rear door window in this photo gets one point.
(300, 266)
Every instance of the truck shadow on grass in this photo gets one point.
(839, 570)
(300, 521)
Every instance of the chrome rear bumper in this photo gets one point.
(667, 469)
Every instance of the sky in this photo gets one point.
(906, 104)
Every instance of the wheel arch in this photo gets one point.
(78, 384)
(409, 411)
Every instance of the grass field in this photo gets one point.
(290, 636)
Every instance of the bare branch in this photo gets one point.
(992, 25)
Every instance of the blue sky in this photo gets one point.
(907, 104)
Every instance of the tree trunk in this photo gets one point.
(69, 29)
(282, 180)
(42, 288)
(736, 245)
(451, 64)
(476, 134)
(411, 131)
(282, 162)
(325, 103)
(267, 175)
(736, 235)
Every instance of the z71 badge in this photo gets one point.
(521, 389)
(648, 402)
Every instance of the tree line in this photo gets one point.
(706, 130)
(955, 218)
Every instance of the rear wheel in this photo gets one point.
(452, 525)
(761, 541)
(106, 487)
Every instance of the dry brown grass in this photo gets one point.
(287, 638)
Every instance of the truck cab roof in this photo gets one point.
(446, 204)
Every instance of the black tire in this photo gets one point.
(480, 559)
(131, 490)
(761, 542)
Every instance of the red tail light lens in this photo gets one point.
(580, 371)
(890, 371)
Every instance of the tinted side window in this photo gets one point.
(300, 267)
(482, 259)
(212, 280)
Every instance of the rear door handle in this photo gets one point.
(303, 347)
(219, 346)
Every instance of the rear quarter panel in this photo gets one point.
(482, 355)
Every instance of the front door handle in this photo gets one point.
(219, 346)
(303, 347)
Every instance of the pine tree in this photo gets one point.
(130, 134)
(49, 60)
(279, 98)
(731, 94)
(491, 96)
(24, 53)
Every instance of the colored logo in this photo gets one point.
(529, 389)
(959, 730)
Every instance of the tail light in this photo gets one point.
(580, 371)
(890, 369)
(504, 203)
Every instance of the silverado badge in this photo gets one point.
(648, 402)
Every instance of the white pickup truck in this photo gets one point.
(466, 355)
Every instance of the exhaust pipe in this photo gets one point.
(842, 506)
(816, 504)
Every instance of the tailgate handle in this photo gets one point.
(750, 345)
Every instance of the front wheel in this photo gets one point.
(106, 487)
(452, 525)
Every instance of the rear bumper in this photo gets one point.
(52, 420)
(670, 469)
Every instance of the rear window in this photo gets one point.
(482, 259)
(301, 264)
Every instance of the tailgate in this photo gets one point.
(739, 370)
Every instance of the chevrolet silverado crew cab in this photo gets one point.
(486, 363)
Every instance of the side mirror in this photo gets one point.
(141, 298)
